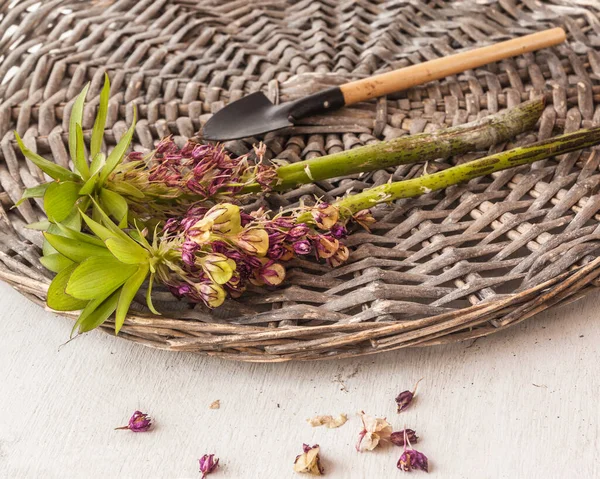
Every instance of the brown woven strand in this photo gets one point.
(448, 266)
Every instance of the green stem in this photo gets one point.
(467, 171)
(476, 135)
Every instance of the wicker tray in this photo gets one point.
(448, 266)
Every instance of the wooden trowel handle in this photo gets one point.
(404, 78)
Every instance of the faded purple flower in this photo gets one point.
(326, 246)
(412, 459)
(397, 437)
(298, 231)
(285, 223)
(404, 399)
(139, 422)
(188, 248)
(325, 215)
(276, 251)
(302, 247)
(339, 231)
(208, 464)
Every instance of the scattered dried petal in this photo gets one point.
(215, 404)
(404, 399)
(397, 437)
(139, 422)
(374, 431)
(208, 464)
(309, 461)
(412, 459)
(328, 421)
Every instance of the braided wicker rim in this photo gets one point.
(448, 266)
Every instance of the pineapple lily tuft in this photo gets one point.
(173, 216)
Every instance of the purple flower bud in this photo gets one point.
(412, 459)
(298, 231)
(276, 251)
(188, 148)
(284, 223)
(139, 422)
(398, 437)
(171, 225)
(404, 399)
(188, 248)
(246, 218)
(338, 231)
(166, 145)
(276, 237)
(208, 464)
(135, 156)
(302, 247)
(201, 151)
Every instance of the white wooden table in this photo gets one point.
(520, 404)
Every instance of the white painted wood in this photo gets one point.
(479, 412)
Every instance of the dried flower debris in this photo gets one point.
(139, 422)
(397, 438)
(208, 464)
(405, 398)
(328, 421)
(412, 459)
(374, 431)
(215, 404)
(309, 462)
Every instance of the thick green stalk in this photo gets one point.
(460, 139)
(467, 171)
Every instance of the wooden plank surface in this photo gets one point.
(520, 404)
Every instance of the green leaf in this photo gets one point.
(90, 308)
(34, 192)
(115, 205)
(77, 251)
(98, 130)
(108, 223)
(138, 236)
(100, 314)
(149, 295)
(75, 118)
(98, 161)
(39, 225)
(100, 231)
(60, 199)
(127, 190)
(129, 252)
(79, 236)
(55, 262)
(73, 221)
(58, 299)
(47, 248)
(116, 156)
(89, 185)
(79, 160)
(51, 169)
(97, 276)
(130, 288)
